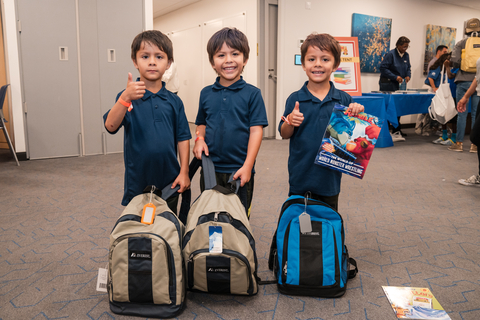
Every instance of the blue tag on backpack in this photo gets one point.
(215, 239)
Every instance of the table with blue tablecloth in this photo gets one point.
(403, 104)
(376, 106)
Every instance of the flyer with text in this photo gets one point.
(348, 142)
(414, 303)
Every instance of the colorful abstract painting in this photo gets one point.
(373, 35)
(437, 35)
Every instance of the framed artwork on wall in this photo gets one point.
(373, 35)
(436, 36)
(347, 76)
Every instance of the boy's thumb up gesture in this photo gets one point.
(135, 89)
(296, 117)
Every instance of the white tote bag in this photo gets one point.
(442, 108)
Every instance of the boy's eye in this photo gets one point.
(159, 57)
(144, 57)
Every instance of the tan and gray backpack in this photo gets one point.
(218, 247)
(145, 268)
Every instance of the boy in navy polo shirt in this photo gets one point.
(231, 114)
(307, 113)
(155, 125)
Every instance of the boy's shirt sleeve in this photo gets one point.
(201, 116)
(183, 129)
(106, 115)
(258, 113)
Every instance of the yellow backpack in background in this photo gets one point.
(471, 54)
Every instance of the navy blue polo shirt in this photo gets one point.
(435, 75)
(152, 131)
(304, 174)
(228, 113)
(393, 65)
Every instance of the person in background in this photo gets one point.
(441, 49)
(451, 73)
(462, 107)
(394, 70)
(463, 80)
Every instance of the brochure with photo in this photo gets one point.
(349, 141)
(414, 303)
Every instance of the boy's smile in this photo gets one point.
(228, 63)
(318, 64)
(151, 62)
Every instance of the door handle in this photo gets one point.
(272, 76)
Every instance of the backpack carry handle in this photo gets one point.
(165, 193)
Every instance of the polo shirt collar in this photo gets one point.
(162, 93)
(234, 86)
(305, 95)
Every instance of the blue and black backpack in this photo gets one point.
(313, 263)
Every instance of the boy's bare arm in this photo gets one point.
(134, 91)
(184, 154)
(254, 142)
(200, 144)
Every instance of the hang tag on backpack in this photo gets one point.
(215, 239)
(305, 223)
(148, 214)
(102, 280)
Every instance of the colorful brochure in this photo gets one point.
(414, 303)
(349, 141)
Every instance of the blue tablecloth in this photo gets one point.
(398, 105)
(375, 105)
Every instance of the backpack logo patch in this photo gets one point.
(218, 269)
(142, 255)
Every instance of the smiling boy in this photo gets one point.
(231, 114)
(306, 116)
(155, 125)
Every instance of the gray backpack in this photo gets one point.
(145, 267)
(218, 248)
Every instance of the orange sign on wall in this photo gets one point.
(347, 76)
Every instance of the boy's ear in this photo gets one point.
(135, 63)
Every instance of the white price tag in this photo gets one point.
(102, 280)
(305, 223)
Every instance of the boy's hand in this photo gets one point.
(183, 181)
(134, 91)
(355, 108)
(199, 148)
(296, 117)
(244, 174)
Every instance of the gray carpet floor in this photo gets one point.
(407, 223)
